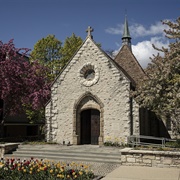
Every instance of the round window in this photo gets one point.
(89, 74)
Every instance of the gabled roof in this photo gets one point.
(126, 60)
(105, 54)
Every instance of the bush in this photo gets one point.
(175, 144)
(15, 169)
(110, 143)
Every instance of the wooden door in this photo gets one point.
(90, 126)
(86, 127)
(95, 126)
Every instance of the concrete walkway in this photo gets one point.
(143, 173)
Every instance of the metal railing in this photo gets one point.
(140, 140)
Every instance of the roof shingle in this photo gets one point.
(129, 63)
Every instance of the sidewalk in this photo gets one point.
(143, 173)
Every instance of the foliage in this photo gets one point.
(175, 144)
(34, 169)
(35, 115)
(22, 83)
(70, 46)
(48, 52)
(160, 91)
(110, 143)
(47, 49)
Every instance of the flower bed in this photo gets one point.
(34, 169)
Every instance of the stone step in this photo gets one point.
(69, 154)
(74, 152)
(64, 158)
(66, 154)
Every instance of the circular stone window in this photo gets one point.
(89, 74)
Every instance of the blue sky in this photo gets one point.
(27, 21)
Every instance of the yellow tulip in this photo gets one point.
(62, 170)
(51, 171)
(61, 176)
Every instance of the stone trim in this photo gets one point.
(76, 116)
(133, 157)
(51, 121)
(86, 94)
(82, 71)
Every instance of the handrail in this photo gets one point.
(136, 140)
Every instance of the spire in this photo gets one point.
(126, 38)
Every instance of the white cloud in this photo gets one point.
(116, 30)
(144, 50)
(138, 30)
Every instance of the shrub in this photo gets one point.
(110, 143)
(175, 144)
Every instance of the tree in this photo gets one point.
(23, 84)
(70, 46)
(48, 52)
(160, 92)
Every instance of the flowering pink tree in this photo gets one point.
(22, 84)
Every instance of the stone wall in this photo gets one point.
(8, 147)
(110, 88)
(168, 159)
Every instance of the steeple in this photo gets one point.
(126, 38)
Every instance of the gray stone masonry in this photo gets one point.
(167, 159)
(108, 92)
(7, 148)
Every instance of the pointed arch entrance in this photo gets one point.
(90, 126)
(88, 120)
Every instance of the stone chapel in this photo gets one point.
(90, 99)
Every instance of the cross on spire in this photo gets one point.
(89, 30)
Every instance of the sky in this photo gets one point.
(27, 21)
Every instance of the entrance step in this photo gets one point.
(83, 153)
(101, 160)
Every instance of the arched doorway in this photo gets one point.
(90, 126)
